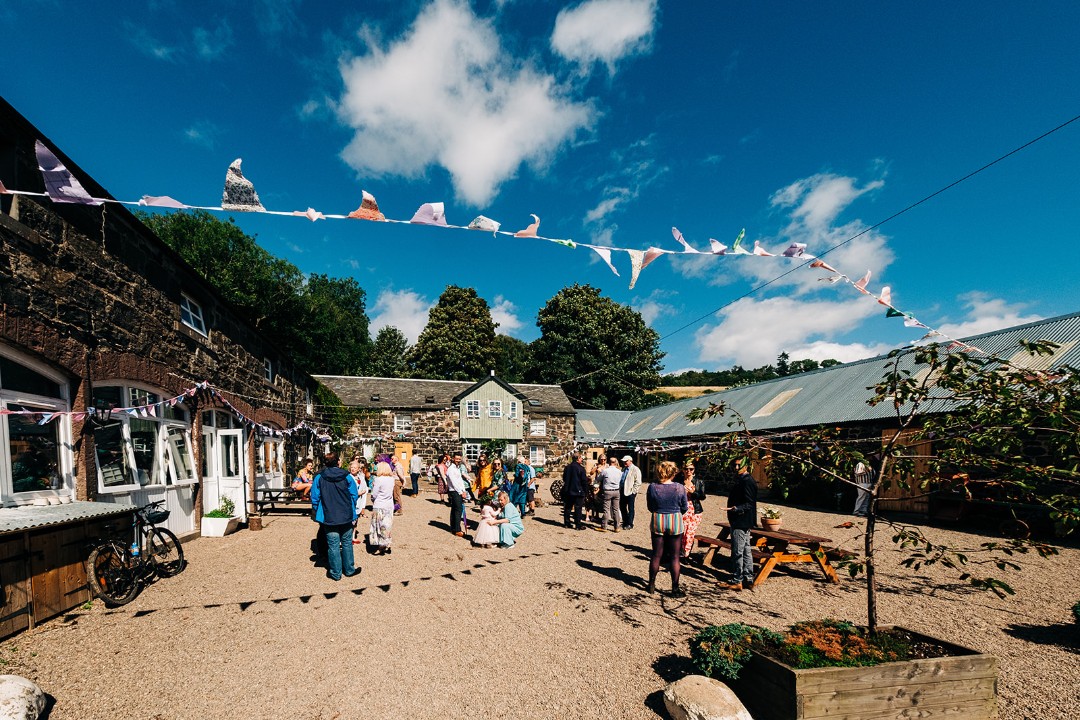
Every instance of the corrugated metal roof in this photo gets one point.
(833, 395)
(607, 424)
(26, 517)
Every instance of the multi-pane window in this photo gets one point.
(537, 455)
(472, 408)
(34, 459)
(495, 408)
(191, 314)
(513, 410)
(510, 453)
(538, 427)
(470, 451)
(402, 422)
(149, 444)
(268, 370)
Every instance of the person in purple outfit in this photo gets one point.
(667, 502)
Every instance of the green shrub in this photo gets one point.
(226, 509)
(721, 650)
(1076, 611)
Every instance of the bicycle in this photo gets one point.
(117, 570)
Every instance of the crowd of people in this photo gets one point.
(604, 494)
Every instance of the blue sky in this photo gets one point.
(612, 120)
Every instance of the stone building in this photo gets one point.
(97, 314)
(427, 417)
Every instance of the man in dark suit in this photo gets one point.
(575, 482)
(742, 515)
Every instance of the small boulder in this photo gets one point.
(696, 697)
(20, 699)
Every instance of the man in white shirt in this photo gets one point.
(631, 483)
(456, 489)
(416, 466)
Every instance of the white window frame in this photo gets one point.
(403, 422)
(65, 454)
(268, 370)
(510, 452)
(537, 428)
(537, 455)
(164, 447)
(472, 409)
(470, 451)
(191, 314)
(513, 414)
(494, 409)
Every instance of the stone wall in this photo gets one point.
(91, 292)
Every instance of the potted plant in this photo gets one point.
(771, 517)
(221, 521)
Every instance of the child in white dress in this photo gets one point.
(486, 533)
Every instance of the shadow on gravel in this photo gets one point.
(1062, 635)
(614, 573)
(655, 702)
(670, 668)
(545, 521)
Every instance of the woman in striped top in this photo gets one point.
(667, 502)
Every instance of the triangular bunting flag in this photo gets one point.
(161, 201)
(311, 214)
(824, 266)
(650, 255)
(893, 312)
(686, 246)
(760, 251)
(605, 255)
(484, 223)
(718, 248)
(912, 322)
(430, 214)
(885, 297)
(796, 250)
(60, 185)
(531, 230)
(860, 285)
(239, 194)
(636, 258)
(368, 210)
(736, 247)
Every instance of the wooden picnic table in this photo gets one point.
(271, 499)
(770, 548)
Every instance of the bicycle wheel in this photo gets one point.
(109, 576)
(556, 489)
(164, 552)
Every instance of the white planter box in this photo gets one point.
(218, 527)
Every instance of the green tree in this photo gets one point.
(783, 364)
(389, 353)
(265, 289)
(458, 342)
(513, 359)
(333, 327)
(602, 353)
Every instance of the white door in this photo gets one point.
(231, 466)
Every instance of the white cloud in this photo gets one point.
(753, 332)
(503, 312)
(614, 197)
(447, 94)
(986, 314)
(653, 307)
(819, 199)
(150, 45)
(604, 31)
(212, 44)
(203, 132)
(404, 309)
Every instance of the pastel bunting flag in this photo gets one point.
(893, 312)
(60, 185)
(651, 254)
(531, 230)
(860, 285)
(824, 266)
(45, 418)
(430, 214)
(239, 194)
(3, 190)
(885, 297)
(718, 248)
(311, 214)
(760, 251)
(605, 255)
(161, 201)
(687, 248)
(636, 258)
(796, 250)
(566, 243)
(485, 223)
(368, 210)
(736, 247)
(913, 323)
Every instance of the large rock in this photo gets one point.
(696, 697)
(20, 699)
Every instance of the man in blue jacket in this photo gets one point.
(333, 498)
(573, 492)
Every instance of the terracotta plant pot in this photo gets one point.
(770, 523)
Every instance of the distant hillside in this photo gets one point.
(680, 392)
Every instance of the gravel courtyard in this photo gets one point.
(559, 626)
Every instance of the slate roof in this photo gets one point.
(835, 395)
(410, 394)
(26, 517)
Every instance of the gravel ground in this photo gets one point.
(559, 626)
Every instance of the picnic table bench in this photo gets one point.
(770, 548)
(272, 499)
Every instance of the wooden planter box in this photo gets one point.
(961, 687)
